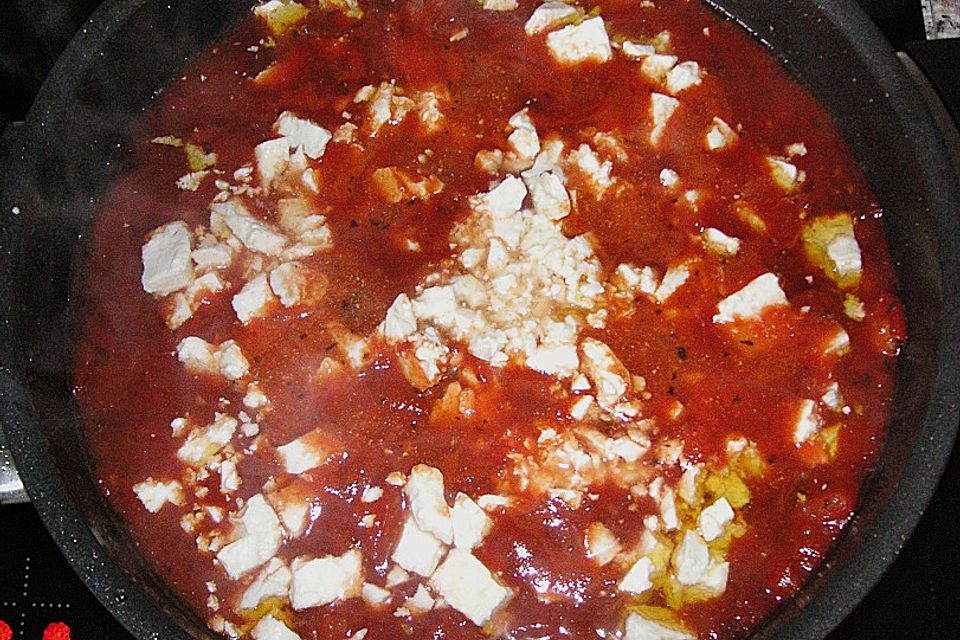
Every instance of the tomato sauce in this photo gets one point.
(705, 384)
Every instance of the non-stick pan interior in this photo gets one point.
(75, 140)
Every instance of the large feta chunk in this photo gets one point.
(661, 110)
(468, 586)
(154, 494)
(714, 519)
(424, 491)
(259, 541)
(690, 559)
(205, 442)
(272, 581)
(638, 627)
(503, 200)
(307, 452)
(255, 234)
(637, 579)
(167, 266)
(400, 320)
(547, 16)
(749, 302)
(470, 523)
(253, 299)
(550, 197)
(417, 550)
(321, 581)
(682, 77)
(269, 628)
(299, 132)
(576, 43)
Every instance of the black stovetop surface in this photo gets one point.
(918, 598)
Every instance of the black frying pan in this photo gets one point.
(75, 140)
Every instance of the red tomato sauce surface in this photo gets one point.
(737, 381)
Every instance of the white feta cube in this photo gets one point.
(714, 519)
(374, 595)
(299, 132)
(637, 627)
(197, 355)
(719, 242)
(547, 16)
(682, 77)
(273, 581)
(230, 360)
(307, 452)
(289, 282)
(550, 197)
(260, 539)
(417, 550)
(749, 302)
(400, 320)
(576, 43)
(637, 580)
(468, 586)
(167, 266)
(205, 442)
(601, 545)
(661, 110)
(255, 234)
(253, 300)
(268, 627)
(807, 421)
(320, 581)
(690, 559)
(470, 523)
(154, 494)
(424, 492)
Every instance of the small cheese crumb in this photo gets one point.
(719, 242)
(154, 494)
(307, 452)
(601, 544)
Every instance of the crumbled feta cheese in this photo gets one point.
(268, 627)
(289, 282)
(580, 407)
(424, 491)
(191, 181)
(682, 77)
(230, 360)
(605, 371)
(470, 523)
(272, 581)
(417, 550)
(503, 200)
(637, 579)
(167, 266)
(252, 301)
(832, 397)
(524, 139)
(154, 494)
(490, 502)
(601, 544)
(637, 627)
(719, 242)
(785, 174)
(255, 234)
(229, 478)
(668, 509)
(468, 586)
(597, 174)
(673, 279)
(661, 110)
(547, 16)
(373, 594)
(578, 43)
(400, 321)
(420, 601)
(307, 452)
(205, 442)
(749, 302)
(396, 576)
(669, 178)
(197, 355)
(637, 50)
(690, 559)
(299, 132)
(371, 494)
(558, 360)
(807, 422)
(550, 197)
(321, 581)
(259, 541)
(720, 136)
(714, 519)
(255, 398)
(499, 5)
(656, 66)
